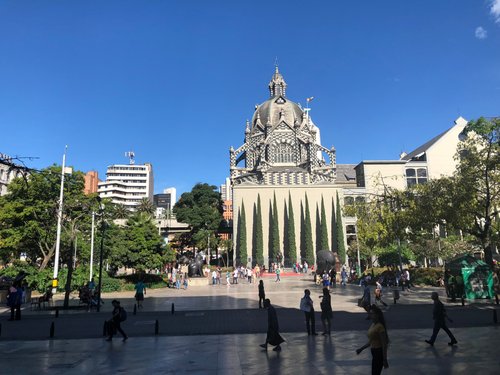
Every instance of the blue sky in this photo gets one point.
(175, 81)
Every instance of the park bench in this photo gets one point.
(42, 301)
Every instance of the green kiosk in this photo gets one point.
(476, 274)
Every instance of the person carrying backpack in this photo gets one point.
(119, 315)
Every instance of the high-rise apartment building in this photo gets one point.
(91, 182)
(128, 184)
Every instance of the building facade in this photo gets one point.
(91, 182)
(281, 173)
(9, 171)
(128, 184)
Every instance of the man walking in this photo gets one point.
(439, 316)
(306, 305)
(262, 293)
(278, 271)
(119, 316)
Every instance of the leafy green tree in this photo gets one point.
(340, 233)
(477, 186)
(137, 245)
(201, 208)
(308, 239)
(241, 240)
(291, 249)
(324, 244)
(258, 239)
(28, 215)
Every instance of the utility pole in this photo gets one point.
(59, 223)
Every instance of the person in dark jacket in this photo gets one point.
(273, 336)
(439, 316)
(326, 312)
(14, 300)
(115, 322)
(262, 293)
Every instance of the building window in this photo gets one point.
(415, 176)
(283, 153)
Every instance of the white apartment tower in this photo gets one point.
(127, 184)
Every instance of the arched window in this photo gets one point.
(283, 153)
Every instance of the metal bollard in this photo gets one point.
(157, 327)
(0, 329)
(52, 329)
(57, 312)
(463, 301)
(495, 318)
(173, 308)
(135, 309)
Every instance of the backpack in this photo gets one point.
(304, 306)
(123, 314)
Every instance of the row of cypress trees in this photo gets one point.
(289, 243)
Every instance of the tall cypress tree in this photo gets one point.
(292, 247)
(302, 233)
(242, 255)
(318, 230)
(286, 247)
(270, 240)
(324, 228)
(340, 233)
(334, 229)
(309, 248)
(254, 234)
(259, 238)
(276, 230)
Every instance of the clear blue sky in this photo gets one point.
(175, 80)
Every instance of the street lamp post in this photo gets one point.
(103, 230)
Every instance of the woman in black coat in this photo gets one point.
(273, 336)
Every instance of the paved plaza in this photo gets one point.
(217, 330)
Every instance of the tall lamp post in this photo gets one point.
(103, 231)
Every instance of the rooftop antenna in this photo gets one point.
(131, 156)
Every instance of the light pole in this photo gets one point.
(103, 230)
(92, 246)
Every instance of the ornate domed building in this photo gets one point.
(284, 184)
(282, 145)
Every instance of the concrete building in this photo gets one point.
(127, 184)
(164, 202)
(91, 182)
(9, 171)
(433, 159)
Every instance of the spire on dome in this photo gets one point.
(277, 86)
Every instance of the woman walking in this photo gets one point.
(262, 293)
(326, 311)
(378, 340)
(273, 335)
(140, 291)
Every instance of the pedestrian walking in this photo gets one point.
(119, 315)
(262, 294)
(273, 335)
(365, 301)
(140, 291)
(343, 277)
(307, 306)
(228, 278)
(14, 300)
(378, 341)
(439, 315)
(326, 311)
(235, 276)
(378, 293)
(278, 271)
